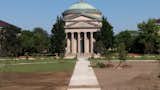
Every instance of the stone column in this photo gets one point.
(91, 38)
(79, 42)
(85, 43)
(72, 41)
(68, 44)
(75, 44)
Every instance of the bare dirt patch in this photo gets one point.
(34, 81)
(139, 76)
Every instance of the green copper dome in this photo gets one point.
(83, 8)
(81, 5)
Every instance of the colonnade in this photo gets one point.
(80, 42)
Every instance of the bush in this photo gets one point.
(122, 53)
(158, 57)
(100, 65)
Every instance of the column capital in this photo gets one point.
(91, 32)
(72, 32)
(78, 34)
(66, 35)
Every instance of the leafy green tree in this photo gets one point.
(99, 48)
(41, 40)
(104, 38)
(122, 53)
(10, 45)
(158, 45)
(58, 38)
(27, 42)
(126, 38)
(136, 46)
(36, 41)
(149, 36)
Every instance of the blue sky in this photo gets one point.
(122, 14)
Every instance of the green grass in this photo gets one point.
(36, 60)
(143, 57)
(52, 66)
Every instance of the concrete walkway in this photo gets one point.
(83, 77)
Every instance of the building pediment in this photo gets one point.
(81, 17)
(81, 25)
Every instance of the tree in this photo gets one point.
(126, 37)
(158, 45)
(99, 47)
(27, 42)
(36, 41)
(104, 38)
(41, 40)
(136, 46)
(122, 53)
(10, 44)
(149, 36)
(58, 37)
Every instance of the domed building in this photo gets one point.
(82, 20)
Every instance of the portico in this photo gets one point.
(80, 42)
(82, 21)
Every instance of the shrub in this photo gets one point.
(122, 53)
(100, 65)
(158, 57)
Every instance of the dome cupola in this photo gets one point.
(84, 9)
(81, 6)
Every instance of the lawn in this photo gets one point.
(35, 74)
(45, 65)
(32, 60)
(140, 57)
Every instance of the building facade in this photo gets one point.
(82, 20)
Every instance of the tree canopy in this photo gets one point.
(58, 37)
(126, 37)
(149, 37)
(145, 41)
(104, 38)
(36, 41)
(15, 42)
(9, 45)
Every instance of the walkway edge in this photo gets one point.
(83, 77)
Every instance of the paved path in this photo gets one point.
(83, 77)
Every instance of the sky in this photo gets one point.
(122, 14)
